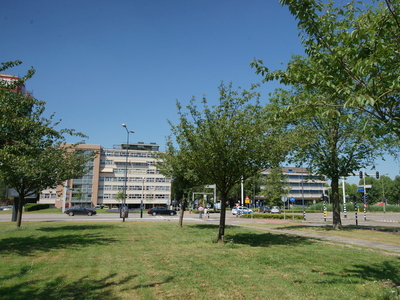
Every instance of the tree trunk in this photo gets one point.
(337, 223)
(183, 208)
(221, 233)
(19, 212)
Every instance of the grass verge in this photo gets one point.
(380, 234)
(139, 260)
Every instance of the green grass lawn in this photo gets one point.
(159, 260)
(380, 234)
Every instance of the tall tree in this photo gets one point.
(33, 154)
(223, 143)
(330, 144)
(354, 49)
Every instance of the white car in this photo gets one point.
(243, 209)
(275, 210)
(9, 207)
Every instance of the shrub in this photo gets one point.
(35, 206)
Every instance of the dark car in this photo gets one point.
(265, 209)
(78, 210)
(161, 211)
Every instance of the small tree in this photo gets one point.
(173, 165)
(227, 142)
(33, 154)
(275, 186)
(120, 196)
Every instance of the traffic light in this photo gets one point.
(361, 174)
(365, 198)
(377, 175)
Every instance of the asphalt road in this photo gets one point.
(374, 219)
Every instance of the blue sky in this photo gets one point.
(103, 63)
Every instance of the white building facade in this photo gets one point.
(125, 166)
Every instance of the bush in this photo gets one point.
(35, 206)
(271, 216)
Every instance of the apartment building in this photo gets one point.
(131, 166)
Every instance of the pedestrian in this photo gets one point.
(207, 212)
(201, 212)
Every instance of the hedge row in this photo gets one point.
(271, 216)
(35, 206)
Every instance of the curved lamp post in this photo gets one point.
(123, 214)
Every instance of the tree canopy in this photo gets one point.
(33, 153)
(225, 142)
(354, 53)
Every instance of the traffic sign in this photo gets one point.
(292, 199)
(284, 198)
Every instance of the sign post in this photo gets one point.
(284, 200)
(292, 199)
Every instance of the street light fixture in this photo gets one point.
(124, 209)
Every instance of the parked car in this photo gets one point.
(275, 210)
(265, 209)
(79, 210)
(8, 207)
(243, 209)
(101, 207)
(161, 211)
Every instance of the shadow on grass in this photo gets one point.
(76, 228)
(384, 273)
(267, 239)
(57, 288)
(257, 239)
(28, 245)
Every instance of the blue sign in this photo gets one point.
(360, 189)
(292, 199)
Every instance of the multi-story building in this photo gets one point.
(302, 185)
(130, 166)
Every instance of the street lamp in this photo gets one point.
(124, 210)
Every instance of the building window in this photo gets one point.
(117, 187)
(137, 171)
(135, 179)
(105, 178)
(135, 196)
(162, 179)
(162, 188)
(135, 188)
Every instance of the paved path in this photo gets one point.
(386, 247)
